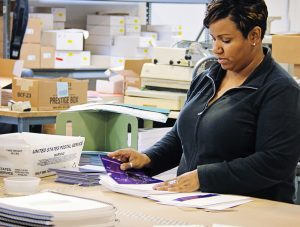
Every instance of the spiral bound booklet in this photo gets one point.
(50, 208)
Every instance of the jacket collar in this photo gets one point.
(256, 78)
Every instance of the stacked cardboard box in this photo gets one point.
(31, 47)
(286, 49)
(50, 94)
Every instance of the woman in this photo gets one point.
(239, 131)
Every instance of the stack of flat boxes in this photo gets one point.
(166, 35)
(102, 31)
(133, 45)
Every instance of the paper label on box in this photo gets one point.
(62, 89)
(29, 31)
(31, 58)
(46, 55)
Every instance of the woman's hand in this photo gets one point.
(187, 182)
(131, 158)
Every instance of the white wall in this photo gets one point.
(190, 16)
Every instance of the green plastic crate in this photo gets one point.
(103, 131)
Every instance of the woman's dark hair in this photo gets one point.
(246, 14)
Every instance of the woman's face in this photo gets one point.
(233, 50)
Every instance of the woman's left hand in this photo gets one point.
(187, 182)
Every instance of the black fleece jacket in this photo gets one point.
(247, 142)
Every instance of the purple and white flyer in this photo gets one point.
(132, 176)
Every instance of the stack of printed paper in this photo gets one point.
(84, 175)
(90, 158)
(137, 183)
(211, 201)
(53, 209)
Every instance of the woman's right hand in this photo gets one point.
(131, 158)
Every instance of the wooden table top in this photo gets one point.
(134, 211)
(4, 111)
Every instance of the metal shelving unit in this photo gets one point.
(6, 12)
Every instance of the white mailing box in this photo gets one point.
(106, 30)
(98, 49)
(134, 41)
(105, 20)
(152, 35)
(63, 39)
(162, 28)
(58, 25)
(32, 154)
(59, 14)
(100, 40)
(72, 59)
(132, 28)
(131, 52)
(132, 20)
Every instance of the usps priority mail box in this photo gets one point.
(32, 154)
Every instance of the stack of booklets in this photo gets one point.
(133, 182)
(137, 183)
(90, 158)
(87, 175)
(53, 209)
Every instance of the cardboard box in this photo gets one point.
(31, 54)
(1, 50)
(136, 65)
(50, 94)
(47, 57)
(46, 18)
(132, 71)
(286, 48)
(32, 154)
(63, 39)
(9, 69)
(297, 71)
(106, 61)
(33, 31)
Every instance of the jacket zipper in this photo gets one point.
(214, 92)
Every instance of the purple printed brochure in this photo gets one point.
(132, 176)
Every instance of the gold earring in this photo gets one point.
(254, 44)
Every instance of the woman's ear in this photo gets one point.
(254, 35)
